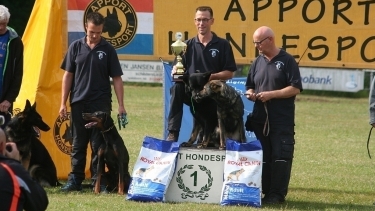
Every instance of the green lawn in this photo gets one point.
(331, 169)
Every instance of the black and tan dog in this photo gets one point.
(112, 153)
(34, 155)
(230, 110)
(204, 113)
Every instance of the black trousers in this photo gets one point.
(82, 137)
(178, 98)
(278, 149)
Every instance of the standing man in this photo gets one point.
(18, 191)
(205, 52)
(89, 64)
(11, 65)
(273, 82)
(372, 104)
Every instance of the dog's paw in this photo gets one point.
(202, 145)
(186, 144)
(222, 148)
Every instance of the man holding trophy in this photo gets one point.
(204, 52)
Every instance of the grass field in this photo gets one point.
(331, 169)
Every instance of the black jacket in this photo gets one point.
(13, 71)
(32, 196)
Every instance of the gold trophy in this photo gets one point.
(178, 49)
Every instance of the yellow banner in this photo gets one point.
(333, 33)
(45, 44)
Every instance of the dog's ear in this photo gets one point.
(185, 78)
(207, 75)
(27, 105)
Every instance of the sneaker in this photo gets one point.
(71, 187)
(173, 136)
(273, 200)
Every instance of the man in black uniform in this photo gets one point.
(18, 191)
(273, 82)
(89, 64)
(205, 52)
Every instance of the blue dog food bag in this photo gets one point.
(153, 170)
(242, 174)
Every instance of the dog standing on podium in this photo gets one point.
(230, 110)
(112, 153)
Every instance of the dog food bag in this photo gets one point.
(242, 174)
(153, 170)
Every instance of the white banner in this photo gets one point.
(142, 71)
(332, 79)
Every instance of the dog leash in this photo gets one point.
(368, 141)
(192, 104)
(110, 128)
(267, 122)
(122, 120)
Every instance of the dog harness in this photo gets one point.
(16, 187)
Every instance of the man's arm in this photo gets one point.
(119, 90)
(65, 90)
(286, 92)
(223, 75)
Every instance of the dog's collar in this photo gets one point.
(104, 131)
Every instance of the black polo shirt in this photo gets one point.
(264, 75)
(216, 56)
(92, 69)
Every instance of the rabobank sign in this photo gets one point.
(332, 79)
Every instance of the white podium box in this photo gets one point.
(198, 176)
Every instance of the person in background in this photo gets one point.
(372, 104)
(11, 65)
(273, 82)
(205, 52)
(18, 191)
(89, 64)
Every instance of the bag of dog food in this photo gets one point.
(242, 174)
(153, 170)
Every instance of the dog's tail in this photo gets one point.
(39, 174)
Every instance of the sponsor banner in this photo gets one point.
(333, 33)
(142, 71)
(332, 79)
(129, 24)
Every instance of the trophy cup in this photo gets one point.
(178, 49)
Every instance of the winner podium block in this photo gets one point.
(198, 176)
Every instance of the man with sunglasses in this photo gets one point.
(273, 82)
(205, 52)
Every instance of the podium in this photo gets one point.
(198, 176)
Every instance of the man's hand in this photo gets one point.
(174, 70)
(63, 111)
(250, 95)
(4, 106)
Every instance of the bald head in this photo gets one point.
(264, 31)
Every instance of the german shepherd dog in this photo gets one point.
(230, 110)
(34, 155)
(204, 113)
(112, 153)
